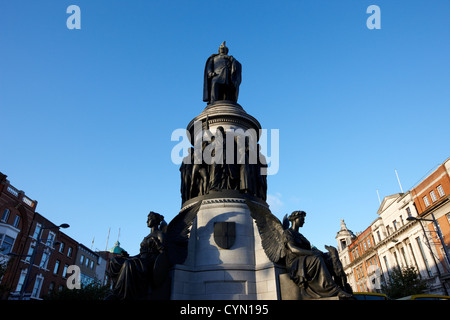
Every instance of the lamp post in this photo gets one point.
(33, 257)
(438, 231)
(441, 239)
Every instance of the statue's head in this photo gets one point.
(297, 215)
(223, 48)
(154, 219)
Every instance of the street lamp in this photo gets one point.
(438, 230)
(33, 257)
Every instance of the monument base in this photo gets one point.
(225, 265)
(225, 282)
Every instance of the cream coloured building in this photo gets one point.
(398, 242)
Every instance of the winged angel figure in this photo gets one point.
(317, 274)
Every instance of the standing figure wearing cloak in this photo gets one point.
(222, 77)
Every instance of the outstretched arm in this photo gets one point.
(299, 251)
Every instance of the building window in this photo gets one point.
(64, 274)
(37, 230)
(378, 235)
(440, 191)
(408, 211)
(51, 287)
(37, 287)
(16, 221)
(44, 260)
(395, 224)
(433, 196)
(61, 247)
(56, 269)
(81, 259)
(368, 242)
(343, 244)
(69, 252)
(30, 251)
(425, 200)
(5, 216)
(6, 244)
(51, 239)
(21, 280)
(437, 228)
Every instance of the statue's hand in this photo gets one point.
(211, 74)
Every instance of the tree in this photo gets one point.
(404, 282)
(3, 268)
(91, 291)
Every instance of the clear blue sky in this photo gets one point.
(86, 115)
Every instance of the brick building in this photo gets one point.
(60, 260)
(433, 191)
(364, 260)
(35, 250)
(17, 214)
(42, 259)
(432, 200)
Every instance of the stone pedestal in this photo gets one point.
(225, 257)
(211, 272)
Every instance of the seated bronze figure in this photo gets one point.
(134, 277)
(317, 274)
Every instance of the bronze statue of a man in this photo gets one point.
(222, 77)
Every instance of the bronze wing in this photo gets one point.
(178, 234)
(271, 231)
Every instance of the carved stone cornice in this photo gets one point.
(223, 196)
(225, 112)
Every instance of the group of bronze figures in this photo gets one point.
(146, 275)
(244, 170)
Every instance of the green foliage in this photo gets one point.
(404, 282)
(3, 268)
(92, 291)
